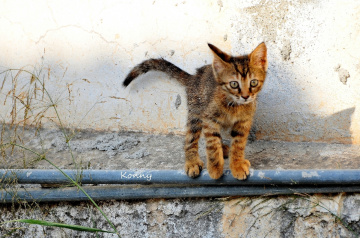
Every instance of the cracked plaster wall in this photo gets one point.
(297, 216)
(87, 48)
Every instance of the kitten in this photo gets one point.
(219, 96)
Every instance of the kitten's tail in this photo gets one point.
(157, 65)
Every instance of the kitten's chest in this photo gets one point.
(228, 116)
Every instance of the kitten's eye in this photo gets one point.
(254, 83)
(234, 84)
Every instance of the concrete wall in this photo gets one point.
(85, 49)
(251, 217)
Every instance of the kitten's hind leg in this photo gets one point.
(193, 163)
(226, 150)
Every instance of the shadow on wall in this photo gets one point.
(284, 114)
(309, 128)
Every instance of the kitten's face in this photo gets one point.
(241, 77)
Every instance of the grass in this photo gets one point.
(62, 225)
(30, 102)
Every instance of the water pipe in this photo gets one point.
(257, 177)
(174, 184)
(116, 192)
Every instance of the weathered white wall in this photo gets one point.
(88, 47)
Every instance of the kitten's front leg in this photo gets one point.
(214, 151)
(193, 163)
(239, 166)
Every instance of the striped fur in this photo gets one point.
(215, 103)
(157, 65)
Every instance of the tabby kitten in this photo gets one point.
(219, 96)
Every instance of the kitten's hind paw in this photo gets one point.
(240, 169)
(193, 169)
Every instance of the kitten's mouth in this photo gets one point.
(241, 101)
(247, 101)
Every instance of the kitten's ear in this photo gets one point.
(220, 59)
(258, 57)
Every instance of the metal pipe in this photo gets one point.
(257, 177)
(146, 192)
(175, 184)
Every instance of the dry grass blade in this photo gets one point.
(61, 225)
(28, 108)
(3, 82)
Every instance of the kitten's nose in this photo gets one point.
(245, 97)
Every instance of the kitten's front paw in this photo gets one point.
(240, 169)
(194, 168)
(216, 170)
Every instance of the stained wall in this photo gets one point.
(86, 48)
